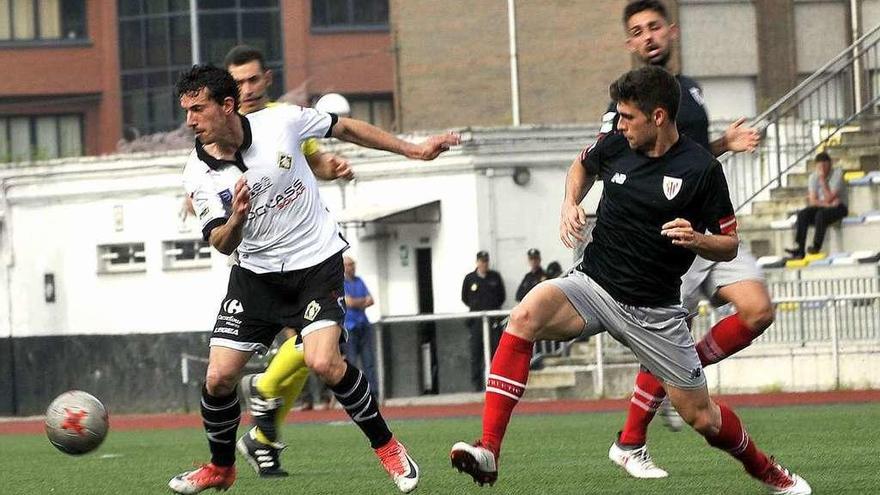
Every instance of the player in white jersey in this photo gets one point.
(253, 193)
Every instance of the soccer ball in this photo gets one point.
(76, 422)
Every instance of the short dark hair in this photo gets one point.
(823, 157)
(219, 83)
(637, 6)
(242, 54)
(648, 88)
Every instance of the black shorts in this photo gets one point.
(258, 305)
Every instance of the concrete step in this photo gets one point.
(575, 382)
(798, 179)
(780, 207)
(789, 192)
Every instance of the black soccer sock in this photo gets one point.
(220, 416)
(353, 392)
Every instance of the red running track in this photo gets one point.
(124, 422)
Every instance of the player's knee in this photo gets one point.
(522, 322)
(704, 422)
(328, 368)
(218, 383)
(759, 317)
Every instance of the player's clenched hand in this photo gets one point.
(341, 168)
(571, 225)
(681, 232)
(739, 138)
(241, 199)
(434, 145)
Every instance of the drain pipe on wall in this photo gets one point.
(514, 71)
(9, 262)
(857, 65)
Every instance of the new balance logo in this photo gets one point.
(696, 372)
(618, 178)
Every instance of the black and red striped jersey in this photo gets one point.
(628, 256)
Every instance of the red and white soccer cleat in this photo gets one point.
(475, 460)
(781, 481)
(399, 465)
(637, 462)
(206, 476)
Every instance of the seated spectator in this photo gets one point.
(827, 200)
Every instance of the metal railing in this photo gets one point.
(805, 119)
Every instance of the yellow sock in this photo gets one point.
(285, 378)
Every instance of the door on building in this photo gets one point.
(427, 330)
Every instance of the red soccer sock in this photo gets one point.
(646, 398)
(507, 383)
(734, 439)
(727, 337)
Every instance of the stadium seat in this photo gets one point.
(767, 262)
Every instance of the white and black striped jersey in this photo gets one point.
(288, 227)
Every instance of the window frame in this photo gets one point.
(106, 267)
(32, 136)
(39, 42)
(350, 26)
(171, 263)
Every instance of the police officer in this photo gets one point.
(482, 290)
(535, 276)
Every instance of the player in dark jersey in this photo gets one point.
(650, 36)
(662, 192)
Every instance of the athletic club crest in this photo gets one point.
(284, 161)
(671, 186)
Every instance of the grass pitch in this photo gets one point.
(833, 447)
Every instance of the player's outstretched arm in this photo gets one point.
(719, 247)
(227, 237)
(737, 138)
(370, 136)
(573, 218)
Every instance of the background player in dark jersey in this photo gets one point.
(650, 37)
(648, 231)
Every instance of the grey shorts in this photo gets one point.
(658, 336)
(705, 277)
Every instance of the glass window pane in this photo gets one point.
(129, 7)
(156, 6)
(70, 128)
(157, 42)
(50, 18)
(134, 105)
(23, 19)
(337, 12)
(160, 109)
(263, 31)
(259, 3)
(73, 19)
(216, 4)
(181, 41)
(47, 138)
(383, 114)
(360, 109)
(219, 34)
(319, 12)
(277, 87)
(179, 6)
(371, 12)
(20, 137)
(130, 38)
(5, 25)
(4, 141)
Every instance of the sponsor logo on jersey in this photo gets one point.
(225, 197)
(261, 186)
(671, 186)
(232, 306)
(279, 201)
(284, 160)
(230, 331)
(312, 311)
(618, 178)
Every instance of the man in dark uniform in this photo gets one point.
(650, 226)
(650, 35)
(482, 290)
(535, 276)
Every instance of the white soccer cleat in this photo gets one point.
(203, 478)
(637, 462)
(475, 460)
(670, 417)
(400, 466)
(781, 481)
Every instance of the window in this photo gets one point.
(190, 253)
(40, 137)
(156, 46)
(42, 20)
(349, 14)
(375, 109)
(116, 258)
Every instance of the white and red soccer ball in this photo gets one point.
(76, 422)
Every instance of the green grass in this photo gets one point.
(834, 447)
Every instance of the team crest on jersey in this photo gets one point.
(671, 186)
(312, 311)
(698, 96)
(284, 160)
(618, 178)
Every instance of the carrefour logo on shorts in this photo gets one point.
(232, 306)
